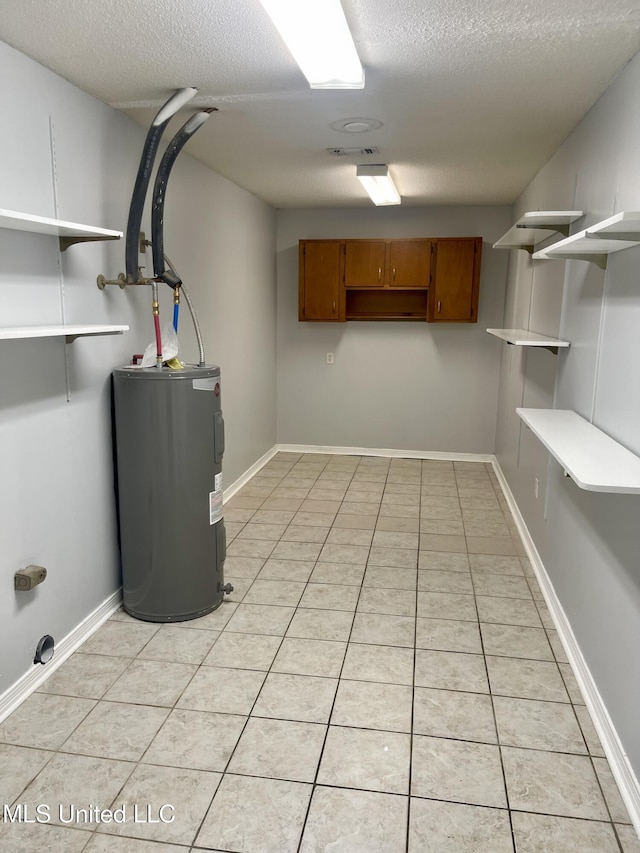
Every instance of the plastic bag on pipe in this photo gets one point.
(169, 347)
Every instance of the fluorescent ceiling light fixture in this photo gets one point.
(377, 182)
(317, 34)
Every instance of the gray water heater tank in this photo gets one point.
(169, 445)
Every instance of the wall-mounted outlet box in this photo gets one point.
(27, 578)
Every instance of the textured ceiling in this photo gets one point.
(474, 95)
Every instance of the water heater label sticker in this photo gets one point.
(215, 506)
(217, 483)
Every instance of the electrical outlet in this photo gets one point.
(329, 358)
(535, 487)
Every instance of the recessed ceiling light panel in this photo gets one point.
(318, 37)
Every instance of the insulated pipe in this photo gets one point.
(154, 134)
(159, 193)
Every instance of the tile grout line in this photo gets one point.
(495, 723)
(335, 696)
(224, 772)
(413, 680)
(571, 703)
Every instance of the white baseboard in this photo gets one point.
(377, 451)
(38, 674)
(618, 760)
(243, 479)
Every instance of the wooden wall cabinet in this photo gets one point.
(409, 263)
(320, 290)
(364, 263)
(432, 279)
(387, 263)
(453, 296)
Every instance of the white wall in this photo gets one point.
(398, 385)
(57, 504)
(588, 542)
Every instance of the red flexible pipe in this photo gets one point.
(156, 323)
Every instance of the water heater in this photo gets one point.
(169, 444)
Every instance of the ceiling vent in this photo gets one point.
(352, 152)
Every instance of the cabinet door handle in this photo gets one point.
(379, 273)
(394, 273)
(334, 306)
(439, 305)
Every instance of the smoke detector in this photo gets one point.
(352, 152)
(356, 125)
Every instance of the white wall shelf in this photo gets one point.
(535, 226)
(592, 459)
(70, 332)
(598, 241)
(67, 233)
(524, 338)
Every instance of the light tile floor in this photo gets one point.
(384, 678)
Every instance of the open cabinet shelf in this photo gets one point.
(70, 332)
(67, 233)
(386, 304)
(592, 459)
(536, 226)
(524, 338)
(595, 243)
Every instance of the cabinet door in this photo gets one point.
(364, 263)
(409, 263)
(320, 296)
(453, 297)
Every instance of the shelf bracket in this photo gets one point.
(65, 242)
(598, 260)
(69, 339)
(561, 228)
(551, 348)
